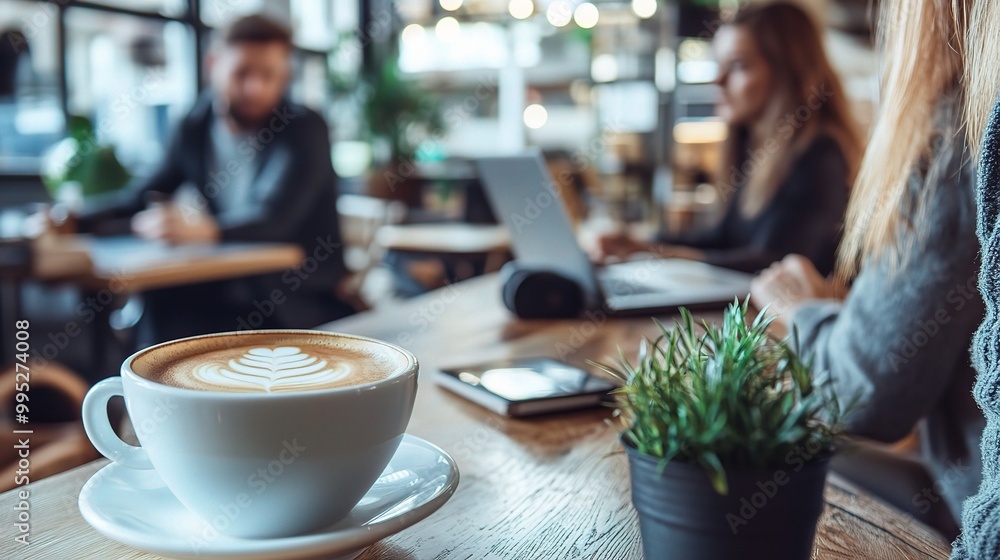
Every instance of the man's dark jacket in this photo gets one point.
(293, 195)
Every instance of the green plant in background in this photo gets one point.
(723, 396)
(82, 159)
(398, 111)
(394, 110)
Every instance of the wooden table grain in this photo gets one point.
(547, 488)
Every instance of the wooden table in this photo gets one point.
(111, 267)
(134, 265)
(547, 488)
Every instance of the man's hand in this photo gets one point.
(50, 220)
(38, 224)
(169, 222)
(789, 283)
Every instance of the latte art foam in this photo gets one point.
(269, 364)
(270, 369)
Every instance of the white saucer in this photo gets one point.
(134, 507)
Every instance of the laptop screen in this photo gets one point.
(526, 200)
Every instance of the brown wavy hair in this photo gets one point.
(808, 100)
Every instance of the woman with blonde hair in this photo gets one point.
(899, 341)
(981, 514)
(791, 152)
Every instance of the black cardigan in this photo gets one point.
(805, 216)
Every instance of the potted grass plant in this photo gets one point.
(728, 439)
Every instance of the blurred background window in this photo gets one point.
(170, 8)
(129, 69)
(622, 86)
(133, 77)
(31, 114)
(312, 23)
(216, 13)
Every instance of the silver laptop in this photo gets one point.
(524, 198)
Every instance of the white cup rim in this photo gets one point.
(408, 370)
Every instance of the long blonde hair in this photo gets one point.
(921, 52)
(982, 77)
(808, 99)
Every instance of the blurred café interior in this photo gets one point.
(617, 95)
(393, 103)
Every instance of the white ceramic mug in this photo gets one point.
(259, 464)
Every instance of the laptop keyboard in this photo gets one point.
(612, 286)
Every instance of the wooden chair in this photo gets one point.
(55, 446)
(57, 443)
(361, 217)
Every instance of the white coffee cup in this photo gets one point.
(259, 464)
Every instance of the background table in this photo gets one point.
(114, 267)
(139, 265)
(549, 488)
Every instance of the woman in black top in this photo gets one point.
(791, 151)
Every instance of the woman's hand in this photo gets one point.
(789, 283)
(618, 246)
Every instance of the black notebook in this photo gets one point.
(526, 386)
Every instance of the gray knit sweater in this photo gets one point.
(900, 341)
(980, 537)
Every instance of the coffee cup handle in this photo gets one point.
(98, 426)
